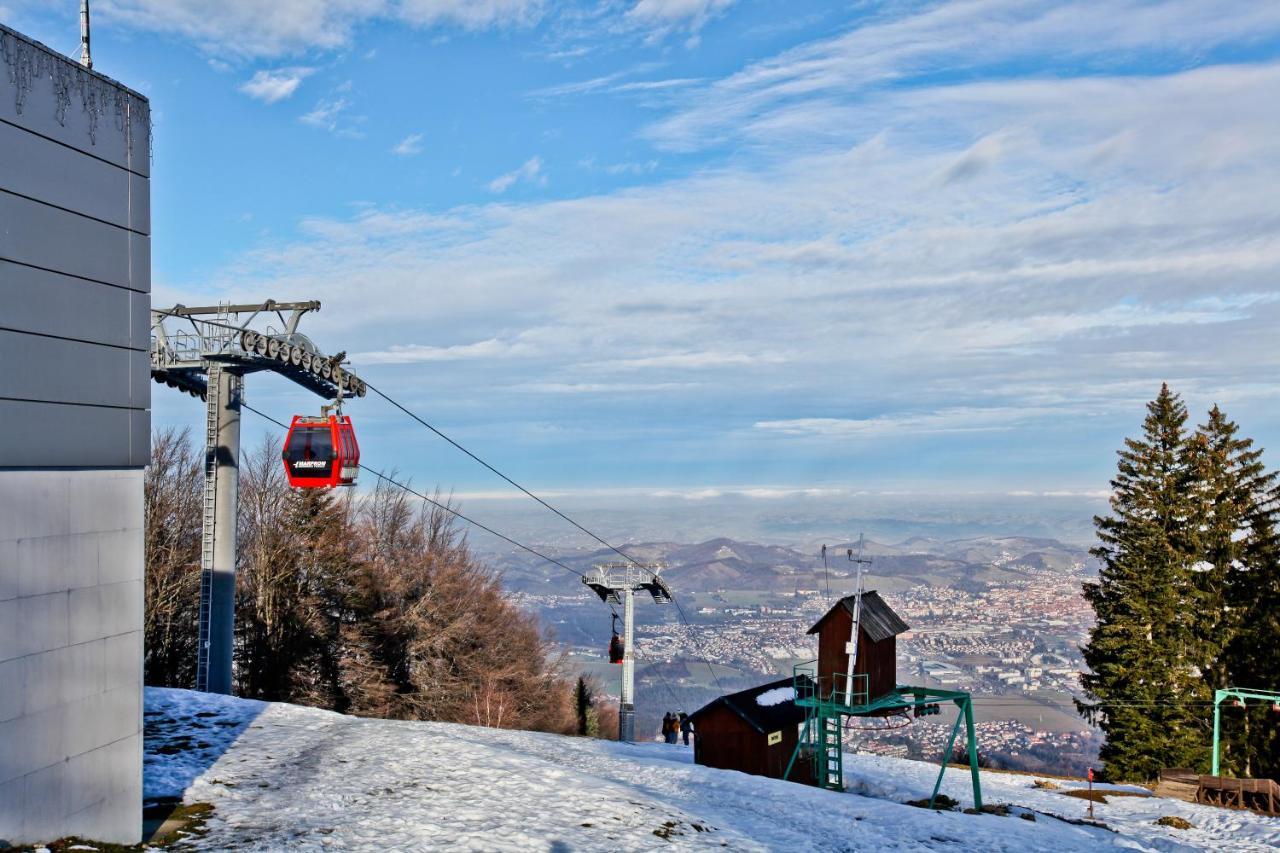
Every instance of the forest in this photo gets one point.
(363, 602)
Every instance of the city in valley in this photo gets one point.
(1001, 618)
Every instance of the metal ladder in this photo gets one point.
(830, 753)
(207, 534)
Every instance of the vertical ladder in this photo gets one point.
(830, 753)
(209, 520)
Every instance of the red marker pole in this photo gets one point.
(1090, 793)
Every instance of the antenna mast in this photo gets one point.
(85, 59)
(852, 647)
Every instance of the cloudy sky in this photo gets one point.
(693, 247)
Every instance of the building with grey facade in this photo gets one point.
(74, 437)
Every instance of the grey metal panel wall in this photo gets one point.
(75, 265)
(71, 600)
(75, 281)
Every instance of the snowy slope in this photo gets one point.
(282, 776)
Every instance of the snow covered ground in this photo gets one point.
(282, 776)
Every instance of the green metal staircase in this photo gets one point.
(828, 700)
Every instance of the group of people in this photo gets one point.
(674, 725)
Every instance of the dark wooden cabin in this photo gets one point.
(877, 644)
(736, 732)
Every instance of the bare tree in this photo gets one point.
(172, 499)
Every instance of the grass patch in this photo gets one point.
(943, 803)
(1175, 822)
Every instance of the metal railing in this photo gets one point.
(813, 689)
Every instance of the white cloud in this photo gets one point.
(472, 14)
(949, 420)
(421, 353)
(333, 114)
(529, 171)
(906, 42)
(409, 146)
(266, 28)
(1012, 260)
(665, 16)
(276, 85)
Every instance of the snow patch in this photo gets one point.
(283, 777)
(776, 696)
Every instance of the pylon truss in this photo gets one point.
(607, 580)
(181, 357)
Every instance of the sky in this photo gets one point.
(695, 249)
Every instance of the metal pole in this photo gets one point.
(627, 708)
(85, 58)
(218, 557)
(946, 756)
(1218, 696)
(852, 646)
(973, 754)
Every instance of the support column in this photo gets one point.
(218, 551)
(973, 754)
(1218, 696)
(626, 706)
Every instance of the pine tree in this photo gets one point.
(1137, 650)
(584, 705)
(1238, 583)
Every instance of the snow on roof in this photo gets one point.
(776, 696)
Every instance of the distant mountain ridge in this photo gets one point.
(722, 563)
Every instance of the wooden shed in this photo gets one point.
(754, 731)
(877, 644)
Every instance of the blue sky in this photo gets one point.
(699, 247)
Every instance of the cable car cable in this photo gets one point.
(417, 418)
(436, 503)
(679, 609)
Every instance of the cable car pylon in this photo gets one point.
(210, 360)
(617, 583)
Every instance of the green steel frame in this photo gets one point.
(1220, 696)
(824, 723)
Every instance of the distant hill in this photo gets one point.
(728, 564)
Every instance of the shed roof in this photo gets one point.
(877, 618)
(762, 718)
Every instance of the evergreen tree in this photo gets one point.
(1237, 583)
(584, 705)
(1138, 650)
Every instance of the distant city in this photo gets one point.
(1000, 617)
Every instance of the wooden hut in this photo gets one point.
(754, 731)
(877, 645)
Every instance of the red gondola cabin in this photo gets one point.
(320, 453)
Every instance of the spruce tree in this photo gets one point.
(1238, 584)
(1138, 649)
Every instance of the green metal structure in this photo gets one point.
(1242, 695)
(821, 742)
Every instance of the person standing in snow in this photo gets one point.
(686, 726)
(670, 727)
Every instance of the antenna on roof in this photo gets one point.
(852, 647)
(85, 59)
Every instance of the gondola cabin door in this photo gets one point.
(320, 453)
